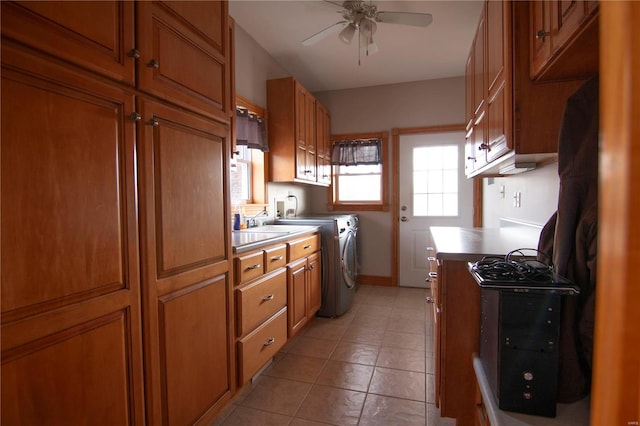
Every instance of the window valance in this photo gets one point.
(251, 130)
(356, 151)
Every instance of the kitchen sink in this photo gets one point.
(275, 229)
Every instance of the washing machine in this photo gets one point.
(340, 258)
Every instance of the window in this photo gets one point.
(360, 186)
(248, 183)
(241, 175)
(435, 180)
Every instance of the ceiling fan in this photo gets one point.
(363, 17)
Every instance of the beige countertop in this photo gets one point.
(471, 244)
(262, 236)
(576, 414)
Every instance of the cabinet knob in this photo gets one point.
(134, 53)
(430, 300)
(153, 64)
(134, 116)
(153, 122)
(484, 146)
(311, 267)
(471, 158)
(306, 247)
(542, 34)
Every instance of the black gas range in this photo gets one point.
(520, 304)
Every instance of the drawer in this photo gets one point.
(261, 345)
(259, 300)
(249, 266)
(275, 257)
(303, 247)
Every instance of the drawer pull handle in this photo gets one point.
(268, 298)
(307, 246)
(430, 300)
(431, 259)
(276, 258)
(433, 275)
(269, 342)
(256, 266)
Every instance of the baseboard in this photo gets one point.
(375, 280)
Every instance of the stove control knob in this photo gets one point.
(527, 395)
(528, 376)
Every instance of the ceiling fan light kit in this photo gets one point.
(363, 17)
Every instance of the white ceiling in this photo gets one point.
(405, 53)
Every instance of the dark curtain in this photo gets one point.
(356, 151)
(250, 130)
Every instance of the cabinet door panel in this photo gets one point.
(188, 177)
(315, 283)
(75, 376)
(566, 15)
(68, 188)
(186, 265)
(297, 295)
(540, 45)
(193, 350)
(499, 64)
(71, 326)
(187, 42)
(93, 34)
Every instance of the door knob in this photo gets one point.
(404, 219)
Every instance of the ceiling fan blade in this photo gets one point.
(324, 33)
(405, 18)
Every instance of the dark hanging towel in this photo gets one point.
(250, 130)
(356, 151)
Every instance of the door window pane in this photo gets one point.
(435, 181)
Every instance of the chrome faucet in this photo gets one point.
(252, 221)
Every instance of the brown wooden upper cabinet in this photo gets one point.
(96, 35)
(563, 39)
(180, 48)
(510, 118)
(183, 50)
(323, 142)
(293, 145)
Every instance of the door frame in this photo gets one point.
(395, 187)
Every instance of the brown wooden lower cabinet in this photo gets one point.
(277, 292)
(304, 281)
(457, 337)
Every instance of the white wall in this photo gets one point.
(381, 108)
(539, 197)
(254, 66)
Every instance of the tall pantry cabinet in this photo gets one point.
(116, 286)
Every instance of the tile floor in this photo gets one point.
(373, 365)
